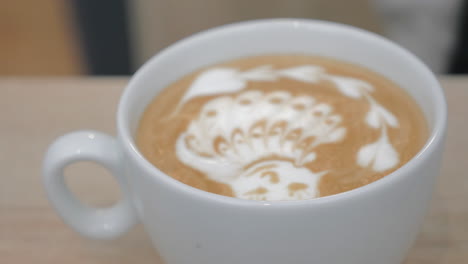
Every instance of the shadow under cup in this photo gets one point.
(376, 223)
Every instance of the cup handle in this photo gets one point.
(105, 223)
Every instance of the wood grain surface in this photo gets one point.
(35, 111)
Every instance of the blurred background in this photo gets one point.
(114, 37)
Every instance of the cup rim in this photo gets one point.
(435, 138)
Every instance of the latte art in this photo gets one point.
(298, 129)
(234, 138)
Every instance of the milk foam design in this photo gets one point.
(258, 142)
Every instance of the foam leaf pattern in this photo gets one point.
(306, 73)
(215, 81)
(349, 86)
(373, 118)
(379, 155)
(389, 118)
(379, 116)
(337, 135)
(262, 73)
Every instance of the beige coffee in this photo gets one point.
(281, 127)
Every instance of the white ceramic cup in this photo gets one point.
(376, 223)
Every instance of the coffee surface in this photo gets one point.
(281, 127)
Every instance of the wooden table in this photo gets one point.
(35, 111)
